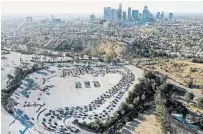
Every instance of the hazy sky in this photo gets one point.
(97, 6)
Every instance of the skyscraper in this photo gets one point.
(129, 13)
(170, 16)
(158, 16)
(108, 13)
(124, 15)
(145, 15)
(105, 12)
(135, 15)
(92, 17)
(162, 15)
(120, 12)
(150, 17)
(140, 17)
(114, 14)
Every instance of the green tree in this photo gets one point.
(130, 97)
(95, 52)
(35, 66)
(190, 83)
(143, 97)
(9, 76)
(160, 107)
(136, 100)
(107, 58)
(113, 55)
(200, 102)
(189, 96)
(202, 90)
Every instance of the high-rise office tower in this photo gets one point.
(124, 15)
(158, 16)
(105, 12)
(135, 15)
(170, 16)
(108, 13)
(150, 17)
(114, 14)
(120, 12)
(162, 15)
(129, 13)
(92, 17)
(145, 15)
(140, 17)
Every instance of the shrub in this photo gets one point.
(107, 58)
(189, 83)
(188, 97)
(200, 102)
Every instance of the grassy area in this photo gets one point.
(182, 71)
(149, 126)
(147, 30)
(179, 70)
(110, 47)
(195, 109)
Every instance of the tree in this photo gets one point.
(202, 90)
(143, 97)
(160, 106)
(200, 102)
(75, 121)
(42, 64)
(18, 70)
(18, 73)
(149, 74)
(189, 83)
(95, 52)
(136, 100)
(10, 76)
(98, 124)
(130, 97)
(113, 55)
(163, 87)
(189, 96)
(107, 58)
(35, 66)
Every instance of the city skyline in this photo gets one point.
(35, 7)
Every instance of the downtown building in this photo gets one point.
(158, 16)
(124, 15)
(135, 14)
(120, 12)
(129, 13)
(114, 14)
(147, 16)
(170, 17)
(108, 13)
